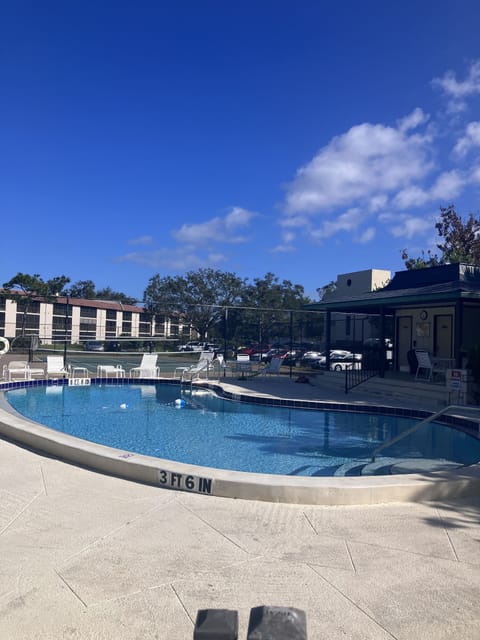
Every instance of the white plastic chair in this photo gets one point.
(219, 366)
(203, 366)
(55, 368)
(110, 371)
(16, 369)
(424, 368)
(272, 367)
(147, 368)
(242, 364)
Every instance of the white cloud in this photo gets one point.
(458, 91)
(474, 177)
(367, 236)
(378, 202)
(196, 243)
(286, 246)
(406, 226)
(412, 196)
(447, 186)
(283, 248)
(145, 240)
(348, 221)
(413, 120)
(288, 236)
(359, 165)
(295, 222)
(216, 230)
(469, 140)
(176, 259)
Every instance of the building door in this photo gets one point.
(404, 342)
(442, 336)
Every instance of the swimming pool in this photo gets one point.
(209, 431)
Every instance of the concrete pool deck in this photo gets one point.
(85, 555)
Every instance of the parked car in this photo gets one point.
(255, 351)
(340, 360)
(274, 353)
(113, 346)
(193, 345)
(94, 345)
(293, 357)
(310, 357)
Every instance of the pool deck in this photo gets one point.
(86, 555)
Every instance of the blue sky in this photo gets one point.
(303, 138)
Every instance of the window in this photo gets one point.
(127, 323)
(88, 312)
(88, 323)
(33, 306)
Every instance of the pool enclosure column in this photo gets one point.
(383, 348)
(458, 333)
(328, 339)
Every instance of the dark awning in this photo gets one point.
(388, 300)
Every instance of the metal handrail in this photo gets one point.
(372, 364)
(407, 432)
(354, 377)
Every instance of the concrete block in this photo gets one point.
(216, 624)
(277, 623)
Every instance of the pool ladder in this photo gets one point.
(415, 427)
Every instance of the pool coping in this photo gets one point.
(168, 474)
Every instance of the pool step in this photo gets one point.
(394, 466)
(365, 467)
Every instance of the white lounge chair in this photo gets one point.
(55, 368)
(203, 366)
(242, 364)
(147, 368)
(272, 367)
(18, 369)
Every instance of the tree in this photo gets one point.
(109, 294)
(461, 239)
(86, 289)
(25, 288)
(422, 262)
(269, 302)
(83, 289)
(326, 289)
(461, 242)
(198, 296)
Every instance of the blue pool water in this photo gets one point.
(214, 432)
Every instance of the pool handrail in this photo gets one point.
(407, 432)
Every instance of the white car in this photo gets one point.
(311, 358)
(193, 346)
(340, 360)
